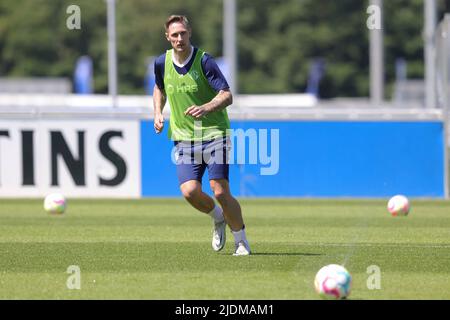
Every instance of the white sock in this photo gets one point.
(239, 236)
(216, 213)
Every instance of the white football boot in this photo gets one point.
(219, 235)
(242, 249)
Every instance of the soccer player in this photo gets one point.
(198, 95)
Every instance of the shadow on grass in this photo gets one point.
(285, 254)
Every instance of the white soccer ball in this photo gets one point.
(55, 203)
(333, 282)
(398, 205)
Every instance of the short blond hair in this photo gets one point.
(177, 18)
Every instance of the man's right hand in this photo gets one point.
(158, 123)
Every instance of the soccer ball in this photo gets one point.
(333, 282)
(55, 203)
(398, 205)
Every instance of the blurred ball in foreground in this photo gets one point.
(333, 282)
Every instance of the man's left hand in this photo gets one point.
(196, 111)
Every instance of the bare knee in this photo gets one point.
(221, 191)
(222, 196)
(191, 192)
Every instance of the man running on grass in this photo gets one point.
(198, 95)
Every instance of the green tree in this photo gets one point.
(277, 40)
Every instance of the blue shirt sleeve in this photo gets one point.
(159, 71)
(210, 68)
(212, 72)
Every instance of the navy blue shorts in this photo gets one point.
(193, 158)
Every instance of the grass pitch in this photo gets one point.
(160, 249)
